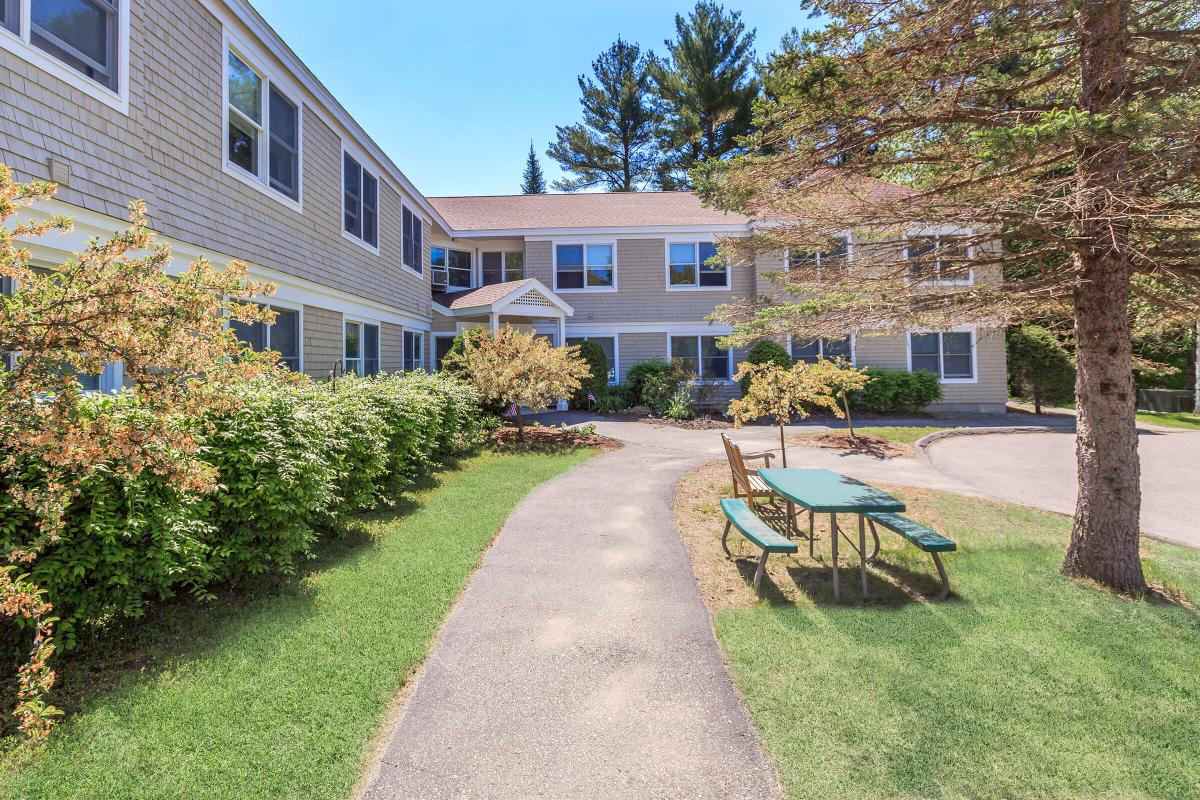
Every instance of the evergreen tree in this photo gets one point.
(1072, 128)
(615, 145)
(534, 180)
(707, 89)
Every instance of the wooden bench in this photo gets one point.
(746, 482)
(739, 514)
(922, 536)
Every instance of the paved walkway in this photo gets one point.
(581, 662)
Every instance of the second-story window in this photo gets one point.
(501, 267)
(10, 15)
(361, 195)
(823, 264)
(584, 267)
(938, 259)
(413, 248)
(263, 139)
(80, 33)
(695, 265)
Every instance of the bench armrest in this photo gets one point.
(765, 456)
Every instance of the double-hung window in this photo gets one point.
(695, 265)
(702, 356)
(83, 34)
(937, 259)
(414, 350)
(608, 344)
(263, 137)
(282, 336)
(501, 267)
(361, 349)
(413, 247)
(822, 264)
(948, 354)
(456, 263)
(584, 267)
(814, 351)
(361, 201)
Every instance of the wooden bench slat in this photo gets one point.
(747, 522)
(922, 536)
(756, 483)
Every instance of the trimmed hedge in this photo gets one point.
(766, 352)
(892, 390)
(293, 463)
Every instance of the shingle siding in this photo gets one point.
(169, 152)
(322, 340)
(391, 346)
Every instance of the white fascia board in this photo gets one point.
(325, 104)
(640, 232)
(54, 248)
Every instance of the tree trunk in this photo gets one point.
(849, 421)
(1104, 542)
(782, 445)
(1196, 372)
(520, 424)
(1037, 403)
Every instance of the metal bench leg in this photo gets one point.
(862, 555)
(875, 535)
(725, 539)
(758, 573)
(812, 535)
(942, 573)
(833, 540)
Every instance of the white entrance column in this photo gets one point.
(495, 322)
(562, 331)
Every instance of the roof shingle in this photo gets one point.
(583, 210)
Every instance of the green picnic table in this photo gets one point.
(823, 491)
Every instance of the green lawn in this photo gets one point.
(1178, 419)
(279, 696)
(904, 434)
(1027, 685)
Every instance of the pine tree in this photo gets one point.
(534, 180)
(615, 145)
(1069, 129)
(707, 90)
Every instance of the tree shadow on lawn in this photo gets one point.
(179, 630)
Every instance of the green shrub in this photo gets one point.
(679, 406)
(765, 352)
(656, 371)
(1039, 367)
(896, 390)
(591, 352)
(291, 462)
(450, 367)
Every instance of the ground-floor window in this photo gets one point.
(441, 348)
(414, 350)
(608, 344)
(702, 356)
(811, 352)
(283, 336)
(948, 354)
(361, 350)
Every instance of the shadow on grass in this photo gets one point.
(182, 629)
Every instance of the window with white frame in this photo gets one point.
(948, 354)
(695, 265)
(814, 351)
(413, 247)
(361, 349)
(500, 267)
(441, 348)
(822, 264)
(263, 140)
(282, 336)
(702, 356)
(360, 201)
(414, 350)
(82, 34)
(456, 263)
(608, 344)
(584, 267)
(937, 259)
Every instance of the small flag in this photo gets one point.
(591, 397)
(512, 410)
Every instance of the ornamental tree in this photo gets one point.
(1054, 144)
(516, 369)
(111, 302)
(793, 391)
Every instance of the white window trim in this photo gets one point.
(404, 334)
(425, 267)
(261, 183)
(473, 279)
(274, 302)
(434, 365)
(616, 339)
(695, 244)
(341, 205)
(941, 364)
(697, 336)
(361, 369)
(853, 348)
(21, 45)
(850, 245)
(585, 243)
(938, 234)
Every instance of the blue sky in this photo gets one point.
(454, 91)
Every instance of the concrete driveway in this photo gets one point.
(1038, 469)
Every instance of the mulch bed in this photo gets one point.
(702, 423)
(539, 438)
(863, 443)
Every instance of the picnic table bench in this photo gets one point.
(738, 514)
(922, 536)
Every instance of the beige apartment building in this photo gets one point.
(200, 109)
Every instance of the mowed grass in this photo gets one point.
(1176, 419)
(1026, 685)
(279, 697)
(902, 434)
